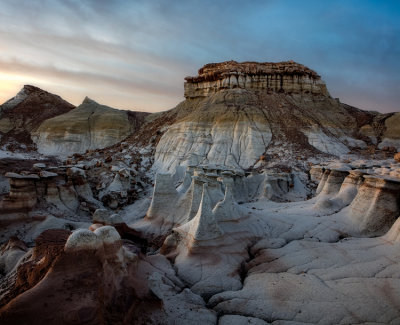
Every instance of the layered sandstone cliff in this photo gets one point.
(287, 77)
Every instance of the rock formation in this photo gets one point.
(23, 114)
(227, 209)
(330, 184)
(257, 200)
(22, 194)
(377, 204)
(383, 130)
(165, 197)
(63, 191)
(286, 77)
(109, 280)
(203, 227)
(371, 195)
(10, 254)
(201, 246)
(332, 278)
(235, 113)
(89, 126)
(391, 136)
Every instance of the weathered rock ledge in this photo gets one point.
(288, 77)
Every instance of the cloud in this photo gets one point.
(150, 46)
(16, 66)
(107, 89)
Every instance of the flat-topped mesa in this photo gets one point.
(286, 77)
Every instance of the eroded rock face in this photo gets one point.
(236, 113)
(371, 195)
(376, 206)
(216, 135)
(62, 191)
(394, 233)
(10, 254)
(22, 195)
(22, 115)
(289, 77)
(111, 283)
(332, 278)
(89, 126)
(331, 183)
(391, 136)
(166, 197)
(339, 190)
(31, 270)
(218, 231)
(316, 173)
(172, 207)
(209, 231)
(383, 131)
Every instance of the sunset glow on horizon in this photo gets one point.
(135, 54)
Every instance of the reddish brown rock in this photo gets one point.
(108, 284)
(48, 246)
(10, 254)
(23, 114)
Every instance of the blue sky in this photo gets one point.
(135, 54)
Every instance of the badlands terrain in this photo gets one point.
(259, 199)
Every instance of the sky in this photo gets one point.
(135, 54)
